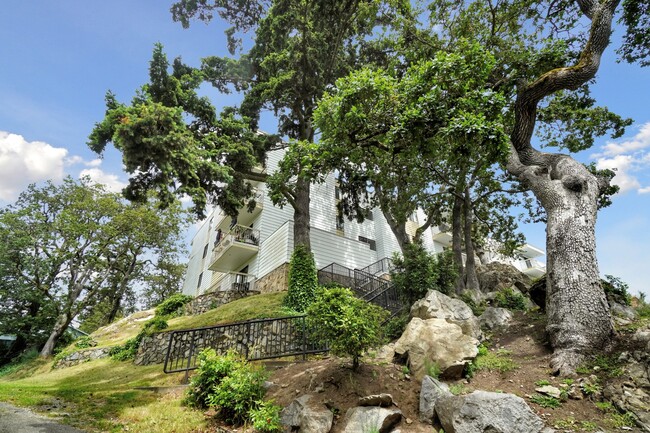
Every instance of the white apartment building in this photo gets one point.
(253, 251)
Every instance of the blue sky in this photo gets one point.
(60, 58)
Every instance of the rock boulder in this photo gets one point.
(437, 305)
(495, 318)
(425, 342)
(495, 276)
(371, 418)
(483, 411)
(306, 416)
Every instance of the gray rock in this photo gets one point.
(432, 390)
(371, 418)
(436, 305)
(495, 318)
(549, 390)
(624, 311)
(483, 411)
(383, 400)
(495, 276)
(307, 416)
(425, 342)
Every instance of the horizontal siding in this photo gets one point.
(329, 248)
(274, 251)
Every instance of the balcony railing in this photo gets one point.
(236, 281)
(234, 248)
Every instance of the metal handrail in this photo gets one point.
(254, 339)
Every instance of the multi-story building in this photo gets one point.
(253, 251)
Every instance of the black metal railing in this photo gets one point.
(253, 339)
(382, 266)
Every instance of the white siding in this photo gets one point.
(275, 250)
(329, 248)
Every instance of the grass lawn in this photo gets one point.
(102, 396)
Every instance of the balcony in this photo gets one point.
(533, 268)
(235, 281)
(235, 248)
(443, 236)
(245, 216)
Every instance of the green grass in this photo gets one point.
(546, 401)
(490, 360)
(103, 396)
(267, 305)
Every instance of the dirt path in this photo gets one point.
(17, 420)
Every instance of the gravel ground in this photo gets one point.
(17, 420)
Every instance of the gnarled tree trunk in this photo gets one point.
(578, 314)
(301, 214)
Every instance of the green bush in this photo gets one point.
(229, 384)
(477, 307)
(129, 349)
(419, 271)
(395, 327)
(508, 298)
(84, 342)
(303, 279)
(173, 306)
(350, 325)
(266, 417)
(617, 289)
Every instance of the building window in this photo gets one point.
(205, 250)
(198, 285)
(370, 216)
(413, 217)
(340, 222)
(371, 242)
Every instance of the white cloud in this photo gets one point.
(622, 164)
(23, 162)
(112, 181)
(629, 158)
(640, 141)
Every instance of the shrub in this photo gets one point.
(230, 384)
(508, 298)
(172, 306)
(129, 349)
(350, 325)
(303, 279)
(266, 417)
(84, 342)
(477, 308)
(395, 327)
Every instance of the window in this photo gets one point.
(198, 285)
(340, 222)
(205, 250)
(371, 242)
(413, 217)
(370, 216)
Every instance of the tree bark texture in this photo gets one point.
(471, 279)
(579, 320)
(61, 324)
(457, 242)
(301, 214)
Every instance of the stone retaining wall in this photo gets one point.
(261, 338)
(82, 356)
(209, 301)
(275, 281)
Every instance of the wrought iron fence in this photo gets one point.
(254, 339)
(382, 266)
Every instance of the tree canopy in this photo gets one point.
(68, 248)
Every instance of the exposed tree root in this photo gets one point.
(564, 362)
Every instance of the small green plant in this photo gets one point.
(542, 382)
(546, 401)
(588, 426)
(477, 307)
(84, 342)
(303, 279)
(508, 298)
(619, 420)
(491, 361)
(605, 406)
(349, 324)
(457, 389)
(432, 368)
(589, 388)
(173, 306)
(405, 370)
(568, 382)
(266, 417)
